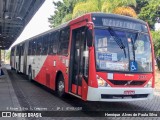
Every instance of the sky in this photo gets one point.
(157, 26)
(39, 23)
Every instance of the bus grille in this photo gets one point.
(127, 82)
(106, 96)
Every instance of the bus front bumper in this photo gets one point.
(117, 94)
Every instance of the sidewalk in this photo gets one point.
(8, 98)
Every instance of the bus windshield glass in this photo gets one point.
(110, 56)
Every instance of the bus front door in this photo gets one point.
(77, 61)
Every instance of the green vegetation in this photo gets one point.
(5, 55)
(150, 12)
(156, 42)
(63, 12)
(68, 9)
(105, 6)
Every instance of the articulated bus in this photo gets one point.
(95, 57)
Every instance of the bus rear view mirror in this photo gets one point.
(89, 37)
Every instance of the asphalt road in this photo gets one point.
(32, 95)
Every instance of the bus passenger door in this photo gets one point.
(77, 62)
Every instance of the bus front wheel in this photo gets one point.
(60, 86)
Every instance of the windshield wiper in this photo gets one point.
(133, 45)
(117, 39)
(133, 49)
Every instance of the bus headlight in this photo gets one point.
(149, 84)
(102, 82)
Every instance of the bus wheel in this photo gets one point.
(60, 86)
(30, 75)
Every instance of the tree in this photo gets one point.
(8, 53)
(156, 42)
(150, 12)
(140, 4)
(67, 18)
(85, 7)
(62, 12)
(128, 11)
(5, 56)
(111, 5)
(108, 6)
(147, 10)
(59, 12)
(68, 9)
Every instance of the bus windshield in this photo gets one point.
(110, 56)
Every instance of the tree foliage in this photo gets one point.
(111, 5)
(107, 6)
(156, 42)
(68, 9)
(140, 4)
(147, 10)
(5, 55)
(128, 11)
(63, 8)
(85, 7)
(150, 12)
(67, 18)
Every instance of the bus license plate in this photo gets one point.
(129, 92)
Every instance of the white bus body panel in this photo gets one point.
(13, 61)
(36, 63)
(22, 63)
(94, 94)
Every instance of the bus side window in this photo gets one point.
(34, 45)
(17, 50)
(22, 49)
(30, 48)
(55, 44)
(53, 38)
(64, 41)
(45, 44)
(50, 46)
(12, 51)
(39, 46)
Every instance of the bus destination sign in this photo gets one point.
(119, 23)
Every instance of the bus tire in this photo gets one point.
(60, 86)
(30, 75)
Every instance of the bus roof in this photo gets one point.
(100, 14)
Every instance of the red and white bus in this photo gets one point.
(96, 57)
